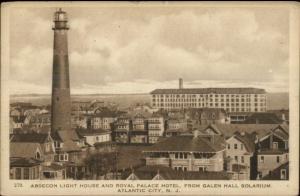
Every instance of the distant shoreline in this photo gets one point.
(105, 94)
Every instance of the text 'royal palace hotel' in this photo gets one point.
(229, 99)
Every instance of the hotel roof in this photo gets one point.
(210, 90)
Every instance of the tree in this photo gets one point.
(101, 163)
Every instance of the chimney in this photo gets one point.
(283, 116)
(196, 133)
(180, 83)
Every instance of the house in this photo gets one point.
(176, 126)
(32, 145)
(103, 119)
(139, 131)
(195, 153)
(273, 151)
(17, 121)
(71, 151)
(93, 136)
(22, 168)
(15, 112)
(53, 171)
(239, 152)
(205, 116)
(282, 114)
(279, 173)
(156, 127)
(122, 128)
(81, 107)
(40, 120)
(79, 121)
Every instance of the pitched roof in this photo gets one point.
(22, 149)
(247, 139)
(210, 90)
(276, 173)
(189, 143)
(91, 132)
(229, 130)
(23, 162)
(29, 138)
(272, 151)
(53, 167)
(263, 118)
(167, 173)
(130, 156)
(68, 135)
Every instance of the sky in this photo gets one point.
(136, 49)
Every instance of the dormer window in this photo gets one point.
(63, 157)
(38, 155)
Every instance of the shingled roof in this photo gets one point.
(189, 143)
(263, 118)
(91, 132)
(22, 149)
(23, 162)
(210, 90)
(149, 172)
(260, 130)
(29, 138)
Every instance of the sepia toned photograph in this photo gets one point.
(149, 92)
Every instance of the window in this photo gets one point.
(228, 146)
(235, 146)
(38, 155)
(277, 159)
(242, 159)
(18, 173)
(202, 169)
(181, 155)
(242, 146)
(262, 159)
(283, 174)
(236, 158)
(275, 145)
(47, 147)
(184, 168)
(26, 173)
(63, 157)
(185, 155)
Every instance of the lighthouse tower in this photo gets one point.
(61, 101)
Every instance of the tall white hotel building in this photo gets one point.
(230, 99)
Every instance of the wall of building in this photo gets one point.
(229, 102)
(270, 162)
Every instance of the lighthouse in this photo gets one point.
(61, 101)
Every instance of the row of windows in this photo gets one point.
(236, 158)
(242, 106)
(235, 146)
(180, 168)
(262, 159)
(210, 100)
(206, 95)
